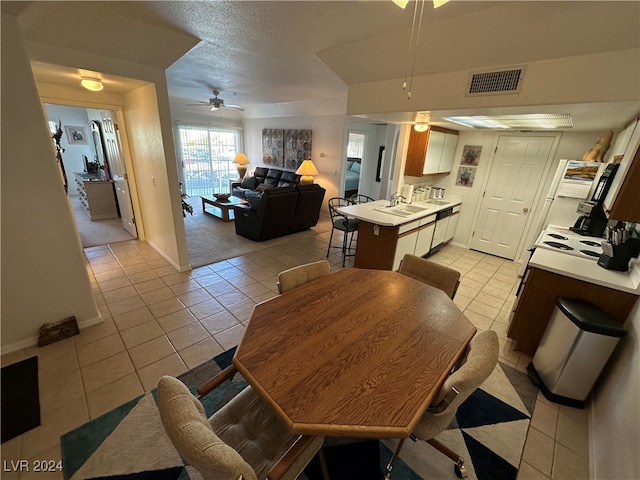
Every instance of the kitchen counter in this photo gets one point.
(374, 212)
(587, 270)
(386, 234)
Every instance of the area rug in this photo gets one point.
(489, 432)
(20, 398)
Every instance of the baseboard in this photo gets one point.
(168, 259)
(30, 342)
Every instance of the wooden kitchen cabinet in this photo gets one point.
(537, 300)
(431, 152)
(626, 205)
(623, 200)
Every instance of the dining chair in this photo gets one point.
(342, 223)
(243, 439)
(297, 276)
(480, 360)
(432, 273)
(357, 198)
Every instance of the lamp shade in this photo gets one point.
(242, 161)
(307, 169)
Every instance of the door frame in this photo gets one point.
(538, 198)
(124, 144)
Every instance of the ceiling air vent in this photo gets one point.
(500, 82)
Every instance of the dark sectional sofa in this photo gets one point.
(263, 179)
(279, 211)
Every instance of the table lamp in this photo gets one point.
(242, 161)
(307, 169)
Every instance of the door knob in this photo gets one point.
(525, 209)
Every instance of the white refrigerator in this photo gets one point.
(567, 190)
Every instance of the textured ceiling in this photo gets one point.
(270, 53)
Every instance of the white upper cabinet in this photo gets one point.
(431, 152)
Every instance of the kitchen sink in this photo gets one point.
(402, 210)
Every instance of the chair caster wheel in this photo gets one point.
(461, 471)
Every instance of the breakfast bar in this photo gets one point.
(387, 232)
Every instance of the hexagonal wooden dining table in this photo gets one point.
(358, 353)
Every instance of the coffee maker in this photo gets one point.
(593, 220)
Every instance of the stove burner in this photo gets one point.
(590, 243)
(590, 253)
(558, 245)
(557, 236)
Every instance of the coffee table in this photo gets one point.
(223, 209)
(357, 353)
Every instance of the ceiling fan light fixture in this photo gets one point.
(439, 3)
(401, 3)
(92, 84)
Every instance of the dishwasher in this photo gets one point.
(440, 232)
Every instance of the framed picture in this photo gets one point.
(471, 155)
(379, 167)
(466, 176)
(76, 135)
(297, 147)
(273, 147)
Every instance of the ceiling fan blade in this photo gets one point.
(199, 104)
(237, 107)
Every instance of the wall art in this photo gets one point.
(76, 135)
(297, 147)
(466, 175)
(273, 147)
(471, 155)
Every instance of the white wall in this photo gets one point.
(72, 156)
(44, 278)
(572, 145)
(326, 138)
(614, 423)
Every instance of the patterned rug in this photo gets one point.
(129, 442)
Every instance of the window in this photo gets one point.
(207, 154)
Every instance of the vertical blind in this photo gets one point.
(206, 156)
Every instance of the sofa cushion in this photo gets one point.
(254, 201)
(289, 177)
(249, 182)
(264, 186)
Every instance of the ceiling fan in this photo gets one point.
(216, 103)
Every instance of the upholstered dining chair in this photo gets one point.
(242, 440)
(432, 273)
(342, 223)
(297, 276)
(480, 360)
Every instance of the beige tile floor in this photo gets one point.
(159, 321)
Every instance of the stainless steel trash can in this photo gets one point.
(575, 347)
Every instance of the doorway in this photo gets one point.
(514, 181)
(98, 190)
(356, 148)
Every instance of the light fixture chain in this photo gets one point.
(415, 48)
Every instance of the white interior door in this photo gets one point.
(118, 172)
(514, 179)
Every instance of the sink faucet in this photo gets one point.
(394, 200)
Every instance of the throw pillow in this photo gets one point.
(355, 167)
(249, 182)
